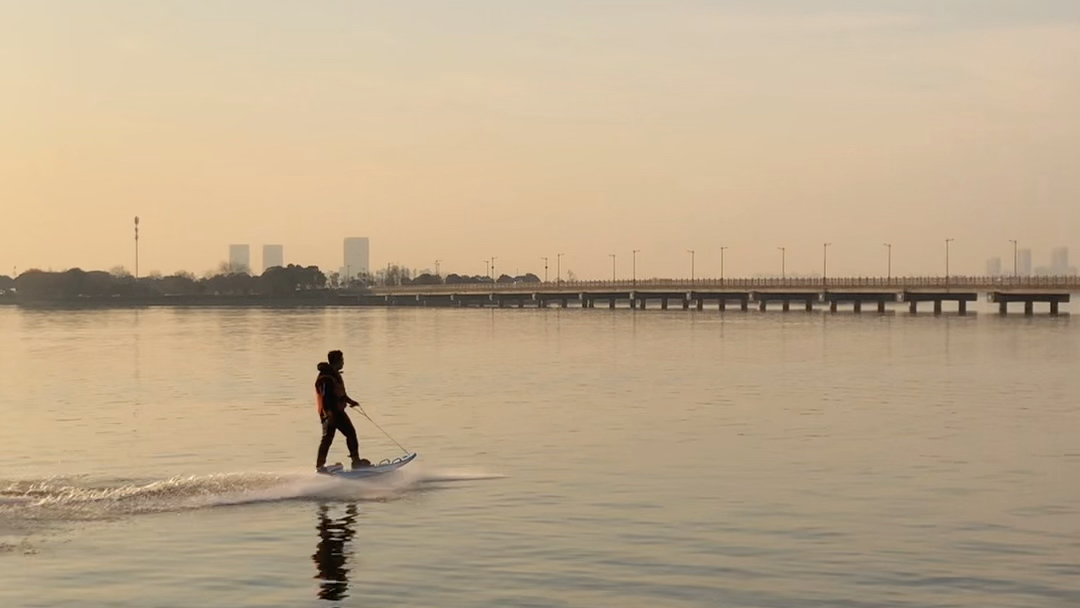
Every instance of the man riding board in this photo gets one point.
(331, 398)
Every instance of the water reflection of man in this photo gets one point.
(330, 554)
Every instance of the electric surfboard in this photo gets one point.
(384, 467)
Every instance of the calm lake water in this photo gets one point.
(165, 457)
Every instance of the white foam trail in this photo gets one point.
(62, 499)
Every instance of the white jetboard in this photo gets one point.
(386, 466)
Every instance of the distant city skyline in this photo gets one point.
(1022, 264)
(356, 258)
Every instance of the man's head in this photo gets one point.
(336, 359)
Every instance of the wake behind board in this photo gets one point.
(384, 467)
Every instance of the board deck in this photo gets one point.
(378, 469)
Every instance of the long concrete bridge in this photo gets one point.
(855, 292)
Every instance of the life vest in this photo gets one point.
(335, 383)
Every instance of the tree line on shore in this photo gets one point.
(279, 281)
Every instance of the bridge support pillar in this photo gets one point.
(832, 306)
(913, 307)
(663, 303)
(642, 301)
(1003, 308)
(611, 303)
(745, 305)
(787, 306)
(858, 306)
(723, 305)
(502, 303)
(521, 303)
(963, 307)
(1054, 307)
(761, 306)
(685, 304)
(565, 303)
(700, 304)
(1029, 308)
(881, 306)
(937, 307)
(633, 302)
(809, 306)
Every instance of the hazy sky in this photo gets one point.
(459, 130)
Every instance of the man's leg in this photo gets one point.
(345, 425)
(328, 427)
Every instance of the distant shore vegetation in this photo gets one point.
(277, 282)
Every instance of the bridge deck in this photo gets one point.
(1066, 284)
(936, 290)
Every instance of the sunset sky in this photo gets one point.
(460, 130)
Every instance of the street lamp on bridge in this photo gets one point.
(558, 268)
(691, 252)
(136, 248)
(612, 267)
(783, 262)
(1015, 273)
(545, 268)
(825, 265)
(888, 272)
(947, 241)
(633, 254)
(722, 265)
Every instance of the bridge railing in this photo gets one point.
(980, 283)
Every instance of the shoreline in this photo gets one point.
(316, 301)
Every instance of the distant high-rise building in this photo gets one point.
(1024, 261)
(1059, 260)
(357, 257)
(239, 258)
(273, 255)
(993, 267)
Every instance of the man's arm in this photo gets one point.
(349, 400)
